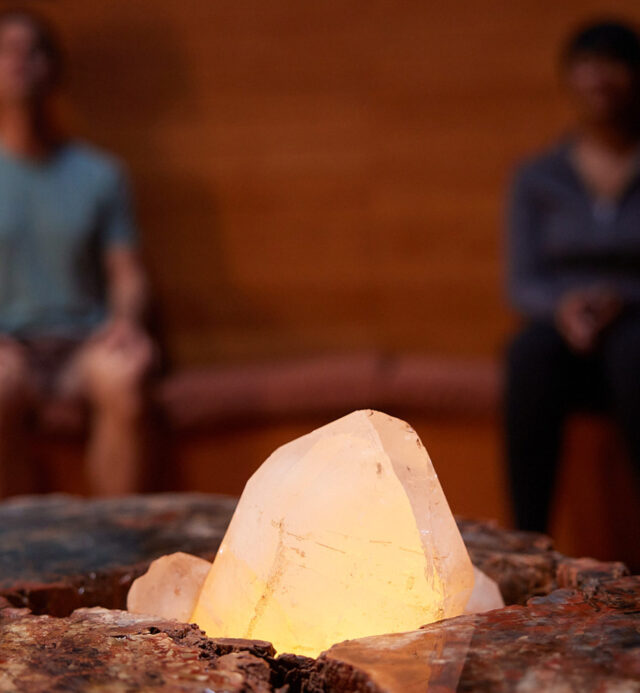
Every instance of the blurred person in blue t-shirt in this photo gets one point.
(72, 290)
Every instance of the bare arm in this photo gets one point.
(127, 285)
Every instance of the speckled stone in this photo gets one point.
(570, 640)
(572, 624)
(59, 553)
(115, 651)
(567, 641)
(525, 565)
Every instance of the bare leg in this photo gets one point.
(115, 384)
(16, 393)
(116, 448)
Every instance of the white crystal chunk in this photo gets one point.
(343, 533)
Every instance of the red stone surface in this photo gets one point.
(567, 641)
(60, 553)
(525, 565)
(115, 651)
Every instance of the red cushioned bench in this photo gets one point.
(197, 399)
(222, 421)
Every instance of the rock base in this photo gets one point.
(572, 624)
(571, 640)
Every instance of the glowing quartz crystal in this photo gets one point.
(343, 533)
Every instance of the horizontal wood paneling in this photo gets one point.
(316, 176)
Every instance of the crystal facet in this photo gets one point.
(343, 533)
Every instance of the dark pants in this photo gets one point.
(546, 381)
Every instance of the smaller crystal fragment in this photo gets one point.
(170, 588)
(485, 595)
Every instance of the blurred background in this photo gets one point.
(320, 192)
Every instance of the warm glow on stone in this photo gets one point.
(343, 533)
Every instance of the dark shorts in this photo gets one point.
(51, 361)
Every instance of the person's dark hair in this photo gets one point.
(46, 36)
(615, 40)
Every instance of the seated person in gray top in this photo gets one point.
(574, 269)
(72, 291)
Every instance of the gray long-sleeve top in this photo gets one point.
(562, 238)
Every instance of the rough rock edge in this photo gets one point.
(247, 666)
(157, 524)
(550, 660)
(525, 565)
(97, 647)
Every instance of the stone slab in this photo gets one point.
(573, 624)
(567, 641)
(571, 640)
(59, 553)
(115, 651)
(525, 565)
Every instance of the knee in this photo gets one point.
(119, 394)
(117, 386)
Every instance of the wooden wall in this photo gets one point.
(321, 175)
(317, 176)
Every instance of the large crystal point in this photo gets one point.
(340, 534)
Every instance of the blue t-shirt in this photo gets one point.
(57, 219)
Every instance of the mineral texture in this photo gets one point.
(102, 650)
(568, 641)
(59, 553)
(584, 639)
